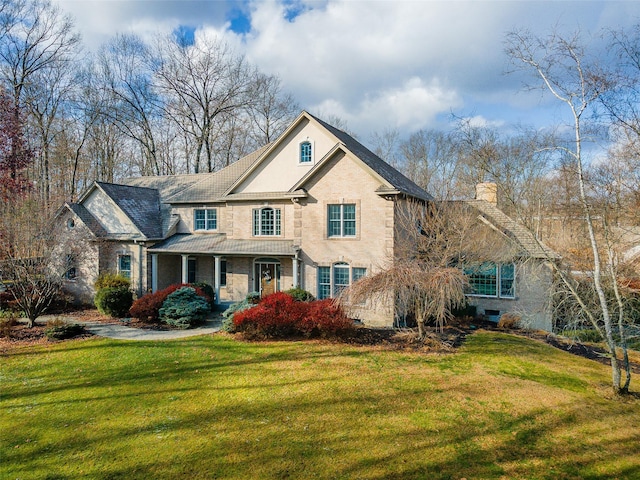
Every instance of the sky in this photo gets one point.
(376, 64)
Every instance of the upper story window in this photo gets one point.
(341, 220)
(266, 222)
(305, 152)
(492, 280)
(205, 219)
(124, 265)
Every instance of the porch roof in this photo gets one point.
(207, 244)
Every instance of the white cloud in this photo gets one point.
(377, 64)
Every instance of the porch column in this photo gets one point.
(216, 280)
(185, 268)
(154, 272)
(295, 272)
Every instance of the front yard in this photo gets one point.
(214, 407)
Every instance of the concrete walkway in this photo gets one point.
(123, 332)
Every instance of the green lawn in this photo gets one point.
(213, 407)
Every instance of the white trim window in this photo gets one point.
(266, 222)
(341, 220)
(332, 280)
(205, 219)
(124, 265)
(306, 152)
(492, 280)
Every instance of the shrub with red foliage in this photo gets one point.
(147, 308)
(278, 315)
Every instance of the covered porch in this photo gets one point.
(232, 267)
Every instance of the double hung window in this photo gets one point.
(341, 220)
(124, 266)
(205, 219)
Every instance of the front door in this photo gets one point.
(267, 276)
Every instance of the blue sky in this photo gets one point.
(377, 64)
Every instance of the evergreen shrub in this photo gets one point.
(147, 308)
(114, 301)
(111, 280)
(184, 308)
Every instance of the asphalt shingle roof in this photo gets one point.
(214, 185)
(219, 244)
(89, 220)
(140, 204)
(382, 168)
(514, 230)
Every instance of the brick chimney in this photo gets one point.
(487, 191)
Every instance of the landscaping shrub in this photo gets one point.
(279, 316)
(147, 308)
(8, 320)
(207, 290)
(300, 295)
(111, 280)
(326, 318)
(58, 329)
(114, 301)
(509, 321)
(184, 308)
(250, 301)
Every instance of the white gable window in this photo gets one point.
(341, 220)
(266, 222)
(205, 219)
(306, 152)
(124, 266)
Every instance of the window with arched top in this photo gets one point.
(266, 222)
(306, 152)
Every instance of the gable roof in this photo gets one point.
(397, 181)
(140, 204)
(512, 230)
(89, 220)
(213, 186)
(167, 185)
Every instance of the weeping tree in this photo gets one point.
(424, 276)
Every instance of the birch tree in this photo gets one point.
(562, 66)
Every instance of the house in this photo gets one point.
(523, 282)
(315, 209)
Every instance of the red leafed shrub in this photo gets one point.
(327, 318)
(147, 308)
(279, 315)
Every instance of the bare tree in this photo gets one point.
(561, 66)
(37, 47)
(271, 110)
(125, 66)
(424, 278)
(204, 84)
(432, 159)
